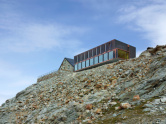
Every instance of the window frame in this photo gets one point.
(92, 61)
(106, 54)
(100, 58)
(96, 58)
(83, 64)
(87, 65)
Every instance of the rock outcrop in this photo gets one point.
(128, 91)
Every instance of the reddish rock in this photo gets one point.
(125, 105)
(136, 97)
(35, 107)
(98, 86)
(118, 108)
(113, 103)
(114, 82)
(89, 81)
(60, 83)
(67, 101)
(89, 122)
(89, 106)
(109, 67)
(85, 79)
(106, 86)
(98, 111)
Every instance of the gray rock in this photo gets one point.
(163, 99)
(148, 105)
(128, 84)
(98, 96)
(114, 115)
(136, 103)
(128, 72)
(147, 109)
(156, 101)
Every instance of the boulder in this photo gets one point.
(89, 122)
(118, 108)
(136, 97)
(125, 105)
(113, 103)
(89, 106)
(98, 86)
(163, 99)
(148, 106)
(98, 111)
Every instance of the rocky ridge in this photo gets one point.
(125, 92)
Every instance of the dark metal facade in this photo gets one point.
(111, 51)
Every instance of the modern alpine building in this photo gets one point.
(111, 51)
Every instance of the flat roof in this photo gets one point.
(101, 45)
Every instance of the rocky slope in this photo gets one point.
(124, 92)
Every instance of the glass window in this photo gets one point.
(87, 63)
(83, 64)
(91, 61)
(76, 67)
(96, 60)
(123, 54)
(111, 56)
(100, 58)
(127, 55)
(79, 66)
(105, 56)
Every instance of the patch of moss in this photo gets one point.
(128, 113)
(160, 57)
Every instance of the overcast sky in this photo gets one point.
(35, 35)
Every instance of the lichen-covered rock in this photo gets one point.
(125, 105)
(163, 99)
(113, 103)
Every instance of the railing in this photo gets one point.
(47, 76)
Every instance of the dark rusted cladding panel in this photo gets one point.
(132, 52)
(113, 45)
(121, 45)
(94, 51)
(110, 45)
(107, 46)
(75, 59)
(124, 46)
